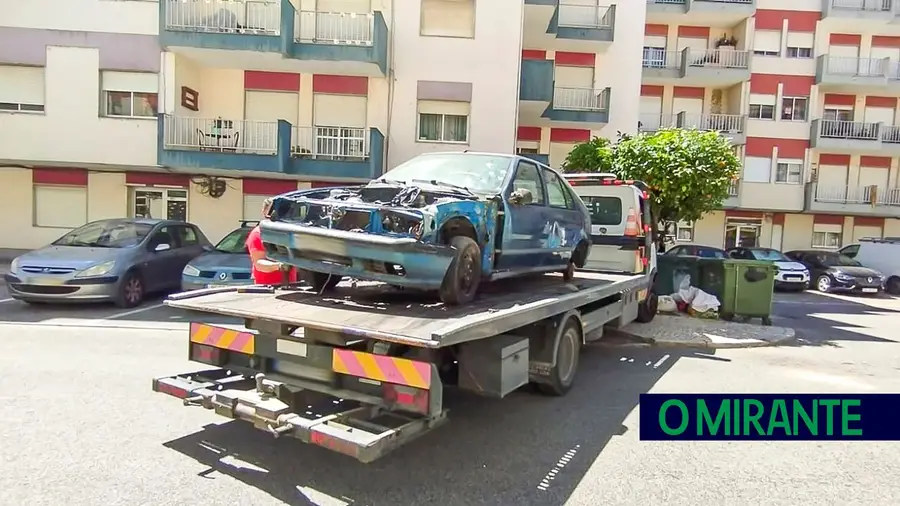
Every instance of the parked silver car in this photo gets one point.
(118, 260)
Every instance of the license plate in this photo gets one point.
(870, 290)
(791, 278)
(46, 281)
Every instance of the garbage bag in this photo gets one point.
(667, 304)
(703, 302)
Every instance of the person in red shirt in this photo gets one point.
(265, 271)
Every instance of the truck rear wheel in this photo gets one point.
(568, 351)
(648, 307)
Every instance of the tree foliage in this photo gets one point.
(689, 171)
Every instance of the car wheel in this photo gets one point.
(321, 281)
(461, 281)
(569, 273)
(131, 291)
(823, 283)
(893, 285)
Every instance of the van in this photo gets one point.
(620, 219)
(883, 255)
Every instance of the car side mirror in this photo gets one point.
(521, 197)
(162, 247)
(207, 248)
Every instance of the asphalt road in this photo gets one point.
(80, 425)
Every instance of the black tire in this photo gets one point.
(322, 282)
(893, 285)
(568, 351)
(460, 284)
(569, 273)
(131, 291)
(647, 308)
(823, 283)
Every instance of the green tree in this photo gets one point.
(689, 171)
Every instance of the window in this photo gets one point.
(528, 178)
(800, 44)
(604, 210)
(111, 233)
(557, 196)
(794, 108)
(831, 114)
(826, 240)
(187, 236)
(161, 203)
(850, 251)
(129, 94)
(789, 171)
(767, 43)
(165, 235)
(760, 111)
(757, 169)
(443, 121)
(684, 232)
(448, 18)
(60, 206)
(21, 89)
(235, 242)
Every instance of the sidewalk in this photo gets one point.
(685, 331)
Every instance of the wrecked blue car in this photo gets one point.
(440, 221)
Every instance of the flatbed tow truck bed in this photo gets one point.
(378, 357)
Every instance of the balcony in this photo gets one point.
(269, 146)
(579, 108)
(700, 12)
(730, 126)
(857, 200)
(708, 68)
(535, 89)
(857, 75)
(655, 122)
(272, 35)
(733, 192)
(765, 196)
(863, 13)
(569, 27)
(855, 137)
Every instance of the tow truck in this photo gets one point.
(362, 370)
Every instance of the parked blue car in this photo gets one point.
(226, 265)
(440, 221)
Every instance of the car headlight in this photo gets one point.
(843, 277)
(100, 269)
(190, 270)
(14, 265)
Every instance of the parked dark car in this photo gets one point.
(696, 251)
(226, 265)
(834, 272)
(118, 260)
(791, 275)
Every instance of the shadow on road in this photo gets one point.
(826, 320)
(524, 450)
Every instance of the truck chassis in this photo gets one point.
(362, 370)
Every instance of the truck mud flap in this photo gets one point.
(362, 431)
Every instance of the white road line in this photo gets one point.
(133, 311)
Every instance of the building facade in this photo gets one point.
(808, 91)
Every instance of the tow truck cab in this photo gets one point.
(620, 223)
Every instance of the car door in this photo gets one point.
(564, 223)
(160, 266)
(523, 225)
(813, 264)
(190, 245)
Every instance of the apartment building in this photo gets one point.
(808, 92)
(199, 109)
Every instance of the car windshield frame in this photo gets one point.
(99, 234)
(219, 248)
(769, 254)
(447, 168)
(839, 260)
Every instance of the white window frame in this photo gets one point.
(802, 53)
(167, 197)
(442, 139)
(758, 114)
(793, 117)
(768, 52)
(684, 227)
(80, 215)
(824, 239)
(836, 111)
(15, 105)
(134, 85)
(790, 167)
(133, 94)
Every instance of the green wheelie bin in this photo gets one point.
(671, 269)
(748, 290)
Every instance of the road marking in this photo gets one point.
(133, 311)
(6, 300)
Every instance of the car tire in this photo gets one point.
(131, 291)
(892, 286)
(321, 281)
(460, 284)
(823, 283)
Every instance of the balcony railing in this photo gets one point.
(855, 130)
(346, 28)
(682, 2)
(330, 143)
(733, 188)
(217, 134)
(857, 195)
(714, 58)
(890, 134)
(580, 99)
(655, 122)
(859, 67)
(585, 16)
(251, 17)
(727, 123)
(863, 5)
